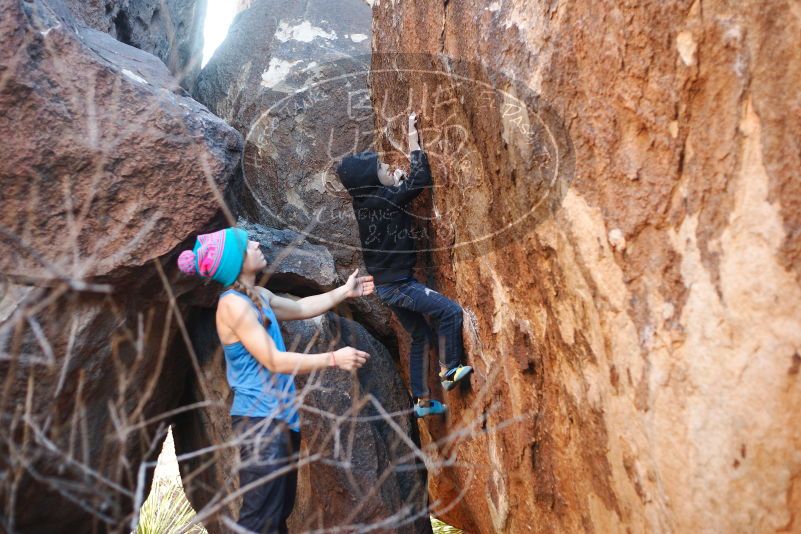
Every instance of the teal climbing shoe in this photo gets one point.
(452, 376)
(433, 407)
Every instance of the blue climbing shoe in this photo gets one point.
(432, 407)
(452, 376)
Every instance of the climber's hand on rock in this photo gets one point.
(414, 137)
(359, 286)
(349, 359)
(398, 176)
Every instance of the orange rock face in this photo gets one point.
(637, 343)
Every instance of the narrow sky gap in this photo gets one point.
(219, 15)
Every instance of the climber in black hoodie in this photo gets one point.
(388, 240)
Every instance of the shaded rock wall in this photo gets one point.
(641, 344)
(172, 30)
(83, 379)
(371, 473)
(293, 263)
(106, 168)
(203, 428)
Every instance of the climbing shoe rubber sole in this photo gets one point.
(453, 376)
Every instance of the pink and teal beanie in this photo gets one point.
(218, 255)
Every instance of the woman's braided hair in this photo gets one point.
(254, 295)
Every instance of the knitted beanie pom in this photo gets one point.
(187, 263)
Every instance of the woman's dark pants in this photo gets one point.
(266, 447)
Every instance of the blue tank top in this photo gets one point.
(257, 391)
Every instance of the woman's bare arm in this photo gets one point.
(287, 309)
(238, 315)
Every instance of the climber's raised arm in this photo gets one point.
(419, 179)
(308, 307)
(419, 172)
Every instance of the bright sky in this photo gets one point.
(219, 14)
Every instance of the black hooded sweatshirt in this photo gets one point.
(385, 225)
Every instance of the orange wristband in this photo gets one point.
(333, 360)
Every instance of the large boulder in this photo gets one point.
(291, 78)
(370, 473)
(637, 350)
(172, 30)
(100, 157)
(293, 264)
(86, 378)
(106, 170)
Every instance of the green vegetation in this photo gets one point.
(443, 528)
(166, 510)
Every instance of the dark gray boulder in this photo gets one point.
(361, 425)
(172, 30)
(293, 264)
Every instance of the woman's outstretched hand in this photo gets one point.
(359, 286)
(348, 358)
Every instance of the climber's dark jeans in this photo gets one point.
(266, 447)
(413, 303)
